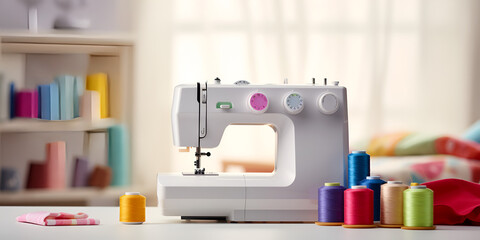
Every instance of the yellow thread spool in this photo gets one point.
(132, 208)
(391, 204)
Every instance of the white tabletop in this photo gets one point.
(161, 227)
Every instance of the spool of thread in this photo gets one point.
(414, 184)
(358, 211)
(418, 208)
(358, 167)
(391, 204)
(330, 205)
(374, 183)
(132, 208)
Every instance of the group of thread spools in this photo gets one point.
(370, 202)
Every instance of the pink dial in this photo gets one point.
(258, 102)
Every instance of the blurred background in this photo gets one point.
(410, 66)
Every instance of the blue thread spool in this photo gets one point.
(330, 205)
(374, 183)
(358, 167)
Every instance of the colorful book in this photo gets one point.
(90, 105)
(26, 104)
(55, 165)
(4, 99)
(44, 102)
(119, 155)
(99, 82)
(54, 102)
(12, 100)
(100, 177)
(77, 93)
(80, 173)
(48, 101)
(66, 88)
(37, 175)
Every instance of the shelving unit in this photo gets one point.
(67, 197)
(38, 125)
(111, 54)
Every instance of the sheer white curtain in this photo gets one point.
(408, 65)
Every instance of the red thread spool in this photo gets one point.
(358, 212)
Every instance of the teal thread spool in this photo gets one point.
(418, 208)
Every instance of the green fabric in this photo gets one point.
(416, 144)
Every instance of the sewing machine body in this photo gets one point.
(312, 147)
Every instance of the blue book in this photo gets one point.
(77, 92)
(44, 102)
(54, 102)
(12, 100)
(66, 86)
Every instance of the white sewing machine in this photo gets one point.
(311, 125)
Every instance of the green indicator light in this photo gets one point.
(224, 105)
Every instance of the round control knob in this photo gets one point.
(293, 103)
(328, 103)
(258, 102)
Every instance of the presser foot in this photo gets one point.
(205, 174)
(199, 170)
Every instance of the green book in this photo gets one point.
(66, 84)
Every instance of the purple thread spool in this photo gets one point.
(330, 204)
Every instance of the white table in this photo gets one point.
(161, 227)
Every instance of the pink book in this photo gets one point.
(55, 165)
(26, 104)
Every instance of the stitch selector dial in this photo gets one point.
(293, 103)
(328, 103)
(258, 102)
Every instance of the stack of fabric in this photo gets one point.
(417, 157)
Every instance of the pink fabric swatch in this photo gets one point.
(57, 219)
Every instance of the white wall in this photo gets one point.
(408, 65)
(105, 15)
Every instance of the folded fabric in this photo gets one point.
(458, 147)
(57, 219)
(384, 145)
(455, 201)
(416, 144)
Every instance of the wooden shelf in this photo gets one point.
(68, 37)
(60, 42)
(38, 125)
(76, 196)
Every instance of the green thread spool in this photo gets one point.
(418, 208)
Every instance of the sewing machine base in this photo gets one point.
(225, 197)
